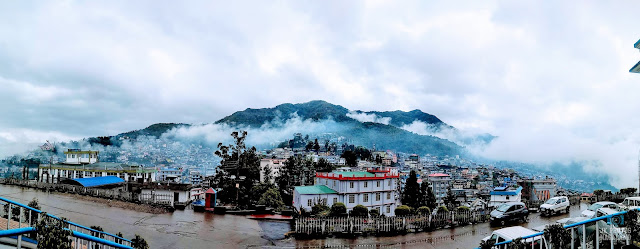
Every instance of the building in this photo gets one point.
(130, 173)
(76, 156)
(169, 174)
(195, 177)
(274, 165)
(636, 68)
(375, 189)
(169, 194)
(501, 195)
(538, 189)
(439, 183)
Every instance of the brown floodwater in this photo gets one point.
(188, 229)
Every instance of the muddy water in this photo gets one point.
(187, 229)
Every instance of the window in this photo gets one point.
(388, 209)
(390, 182)
(388, 195)
(378, 184)
(365, 198)
(309, 202)
(365, 184)
(351, 185)
(507, 197)
(352, 198)
(377, 196)
(335, 200)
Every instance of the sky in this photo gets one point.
(549, 78)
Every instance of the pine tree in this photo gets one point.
(411, 194)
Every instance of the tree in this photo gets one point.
(271, 198)
(324, 166)
(430, 198)
(411, 194)
(378, 160)
(350, 158)
(139, 243)
(628, 191)
(309, 146)
(267, 173)
(633, 227)
(374, 212)
(50, 233)
(450, 199)
(557, 236)
(598, 192)
(403, 210)
(360, 211)
(316, 146)
(518, 243)
(338, 209)
(240, 165)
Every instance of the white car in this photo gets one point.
(591, 211)
(630, 203)
(511, 233)
(555, 205)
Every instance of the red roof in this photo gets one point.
(210, 191)
(438, 174)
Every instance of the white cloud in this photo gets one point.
(365, 117)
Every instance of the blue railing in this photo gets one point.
(73, 227)
(570, 226)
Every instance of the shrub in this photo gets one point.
(360, 211)
(338, 209)
(374, 212)
(403, 210)
(557, 236)
(443, 208)
(424, 210)
(463, 209)
(319, 208)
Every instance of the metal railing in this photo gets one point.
(20, 220)
(614, 234)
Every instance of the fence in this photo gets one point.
(152, 198)
(18, 220)
(384, 224)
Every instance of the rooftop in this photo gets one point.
(505, 191)
(100, 166)
(355, 175)
(438, 175)
(98, 181)
(315, 190)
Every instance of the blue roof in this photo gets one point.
(514, 192)
(637, 44)
(98, 181)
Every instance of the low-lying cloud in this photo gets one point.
(365, 117)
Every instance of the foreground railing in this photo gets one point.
(610, 232)
(19, 220)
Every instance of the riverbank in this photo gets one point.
(95, 196)
(118, 204)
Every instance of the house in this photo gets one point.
(375, 189)
(129, 173)
(169, 194)
(501, 195)
(274, 165)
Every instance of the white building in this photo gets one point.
(502, 195)
(440, 184)
(76, 156)
(168, 174)
(374, 189)
(274, 165)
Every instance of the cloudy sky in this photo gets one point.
(550, 78)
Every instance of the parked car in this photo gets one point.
(630, 203)
(508, 212)
(591, 211)
(555, 205)
(511, 233)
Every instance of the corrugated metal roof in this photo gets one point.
(635, 69)
(314, 190)
(98, 181)
(637, 44)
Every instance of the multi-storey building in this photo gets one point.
(439, 183)
(501, 195)
(274, 165)
(375, 189)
